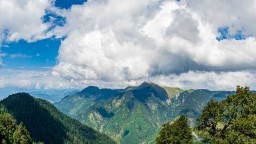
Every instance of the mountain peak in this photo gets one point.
(90, 89)
(146, 84)
(146, 89)
(19, 96)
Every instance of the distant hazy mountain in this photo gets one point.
(51, 95)
(46, 124)
(135, 114)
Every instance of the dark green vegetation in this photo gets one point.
(46, 124)
(135, 114)
(10, 131)
(177, 132)
(232, 120)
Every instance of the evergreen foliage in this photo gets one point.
(46, 124)
(232, 120)
(10, 131)
(176, 133)
(21, 135)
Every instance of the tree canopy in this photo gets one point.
(232, 120)
(177, 132)
(10, 131)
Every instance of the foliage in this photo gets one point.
(10, 131)
(46, 124)
(21, 135)
(176, 133)
(232, 120)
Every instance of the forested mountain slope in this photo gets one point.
(46, 124)
(135, 114)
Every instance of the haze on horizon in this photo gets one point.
(48, 44)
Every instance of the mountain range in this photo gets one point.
(51, 95)
(135, 114)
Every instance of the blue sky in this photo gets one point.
(116, 43)
(68, 3)
(225, 34)
(39, 55)
(32, 56)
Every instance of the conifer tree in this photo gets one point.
(176, 133)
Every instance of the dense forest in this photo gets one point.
(44, 123)
(231, 121)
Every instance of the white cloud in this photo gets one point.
(119, 43)
(190, 80)
(22, 19)
(209, 80)
(238, 15)
(1, 56)
(32, 79)
(112, 42)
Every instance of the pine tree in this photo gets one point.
(176, 133)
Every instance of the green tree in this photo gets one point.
(232, 120)
(176, 133)
(7, 127)
(10, 132)
(21, 135)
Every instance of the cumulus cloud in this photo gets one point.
(115, 42)
(22, 19)
(237, 15)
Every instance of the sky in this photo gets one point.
(191, 44)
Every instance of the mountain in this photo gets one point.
(135, 114)
(51, 95)
(75, 104)
(46, 124)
